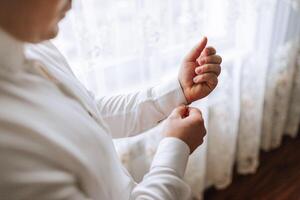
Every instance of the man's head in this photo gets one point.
(32, 20)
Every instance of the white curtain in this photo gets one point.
(124, 45)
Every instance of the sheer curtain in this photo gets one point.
(125, 45)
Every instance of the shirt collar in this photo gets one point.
(11, 53)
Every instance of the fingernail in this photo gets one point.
(198, 70)
(202, 61)
(203, 38)
(207, 51)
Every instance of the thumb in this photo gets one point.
(195, 113)
(196, 51)
(180, 111)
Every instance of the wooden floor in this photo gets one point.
(278, 177)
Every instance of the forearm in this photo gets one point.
(128, 115)
(164, 180)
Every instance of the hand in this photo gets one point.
(186, 124)
(199, 72)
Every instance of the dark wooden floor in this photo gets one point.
(278, 177)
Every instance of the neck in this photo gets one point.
(11, 52)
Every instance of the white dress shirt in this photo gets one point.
(56, 138)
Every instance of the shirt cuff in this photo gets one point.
(169, 95)
(172, 153)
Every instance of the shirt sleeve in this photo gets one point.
(164, 180)
(136, 112)
(28, 172)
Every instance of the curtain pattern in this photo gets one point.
(125, 45)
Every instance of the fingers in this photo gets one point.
(208, 68)
(212, 59)
(180, 111)
(195, 114)
(210, 78)
(208, 51)
(196, 51)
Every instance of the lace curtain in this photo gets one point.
(125, 45)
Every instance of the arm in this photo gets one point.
(134, 113)
(33, 171)
(29, 176)
(123, 115)
(164, 180)
(127, 115)
(35, 166)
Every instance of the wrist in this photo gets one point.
(184, 92)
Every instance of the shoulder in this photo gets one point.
(47, 53)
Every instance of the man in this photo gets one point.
(56, 139)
